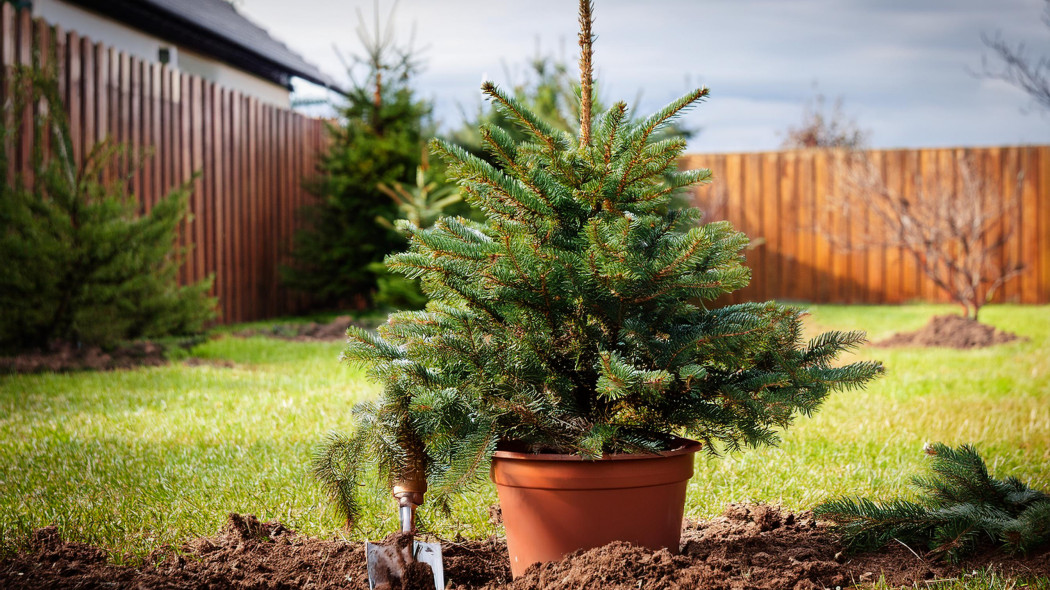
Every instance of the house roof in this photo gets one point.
(215, 28)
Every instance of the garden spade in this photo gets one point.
(395, 561)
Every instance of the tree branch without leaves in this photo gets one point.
(955, 227)
(1018, 68)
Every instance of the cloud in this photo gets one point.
(901, 66)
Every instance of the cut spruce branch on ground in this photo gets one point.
(960, 509)
(131, 460)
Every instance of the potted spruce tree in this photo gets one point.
(568, 339)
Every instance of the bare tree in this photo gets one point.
(825, 126)
(1029, 73)
(955, 227)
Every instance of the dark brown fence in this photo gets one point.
(782, 197)
(252, 157)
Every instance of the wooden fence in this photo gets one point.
(251, 157)
(782, 198)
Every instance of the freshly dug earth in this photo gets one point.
(305, 332)
(950, 331)
(61, 357)
(749, 546)
(65, 357)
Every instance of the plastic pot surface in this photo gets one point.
(553, 505)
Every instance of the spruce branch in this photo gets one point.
(532, 123)
(586, 70)
(959, 505)
(337, 467)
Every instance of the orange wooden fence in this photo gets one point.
(781, 198)
(252, 157)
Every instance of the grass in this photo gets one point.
(982, 579)
(131, 460)
(868, 442)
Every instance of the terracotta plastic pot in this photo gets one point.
(555, 504)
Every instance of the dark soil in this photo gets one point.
(63, 357)
(304, 332)
(749, 546)
(950, 331)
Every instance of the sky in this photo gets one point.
(904, 69)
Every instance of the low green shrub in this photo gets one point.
(81, 263)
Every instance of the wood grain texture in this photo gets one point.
(784, 198)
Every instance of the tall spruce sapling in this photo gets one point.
(574, 318)
(959, 506)
(377, 140)
(81, 264)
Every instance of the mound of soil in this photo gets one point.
(749, 546)
(63, 357)
(950, 331)
(308, 332)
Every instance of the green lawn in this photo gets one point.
(130, 460)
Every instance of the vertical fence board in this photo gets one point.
(209, 213)
(25, 58)
(823, 269)
(270, 188)
(72, 76)
(158, 155)
(768, 202)
(8, 58)
(280, 184)
(1013, 251)
(101, 109)
(50, 50)
(234, 191)
(890, 290)
(805, 222)
(868, 270)
(191, 160)
(1029, 229)
(789, 232)
(112, 108)
(8, 35)
(927, 169)
(136, 125)
(88, 106)
(1041, 179)
(734, 194)
(251, 202)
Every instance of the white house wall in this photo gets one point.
(224, 75)
(147, 47)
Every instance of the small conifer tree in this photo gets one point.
(377, 141)
(80, 263)
(574, 318)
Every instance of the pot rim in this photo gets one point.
(685, 446)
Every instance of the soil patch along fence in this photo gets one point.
(781, 200)
(252, 157)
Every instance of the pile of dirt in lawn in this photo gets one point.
(950, 331)
(62, 357)
(749, 546)
(304, 332)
